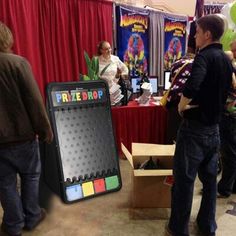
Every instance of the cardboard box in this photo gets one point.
(151, 188)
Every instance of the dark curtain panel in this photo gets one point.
(199, 10)
(53, 34)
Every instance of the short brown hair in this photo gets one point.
(212, 23)
(6, 38)
(100, 47)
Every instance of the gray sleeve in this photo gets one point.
(33, 101)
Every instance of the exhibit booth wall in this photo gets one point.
(162, 28)
(53, 35)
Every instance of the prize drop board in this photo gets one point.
(82, 162)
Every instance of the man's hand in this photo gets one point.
(187, 107)
(184, 105)
(49, 138)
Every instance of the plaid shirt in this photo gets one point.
(177, 85)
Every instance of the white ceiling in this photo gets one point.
(219, 1)
(185, 7)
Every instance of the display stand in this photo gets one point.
(82, 162)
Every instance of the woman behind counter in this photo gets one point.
(112, 72)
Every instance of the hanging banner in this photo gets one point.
(132, 39)
(175, 40)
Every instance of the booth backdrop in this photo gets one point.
(53, 34)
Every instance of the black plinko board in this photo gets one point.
(82, 162)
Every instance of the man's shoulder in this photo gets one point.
(211, 51)
(11, 57)
(211, 55)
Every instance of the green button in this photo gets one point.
(112, 182)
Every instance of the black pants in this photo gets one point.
(173, 123)
(227, 184)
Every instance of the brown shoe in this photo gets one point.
(219, 195)
(41, 218)
(168, 232)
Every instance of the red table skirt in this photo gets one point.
(142, 124)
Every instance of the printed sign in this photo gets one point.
(70, 97)
(175, 40)
(132, 39)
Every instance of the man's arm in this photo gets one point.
(192, 85)
(33, 102)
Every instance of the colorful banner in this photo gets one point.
(132, 39)
(175, 40)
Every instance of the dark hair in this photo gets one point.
(212, 23)
(191, 37)
(100, 46)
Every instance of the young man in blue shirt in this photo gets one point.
(227, 183)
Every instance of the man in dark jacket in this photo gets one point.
(198, 140)
(23, 120)
(227, 183)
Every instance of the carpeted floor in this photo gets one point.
(112, 215)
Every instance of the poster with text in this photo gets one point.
(175, 40)
(132, 39)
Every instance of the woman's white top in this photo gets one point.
(110, 73)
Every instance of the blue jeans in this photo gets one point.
(228, 155)
(20, 209)
(196, 152)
